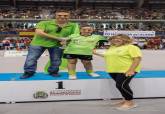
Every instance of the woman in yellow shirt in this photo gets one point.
(122, 63)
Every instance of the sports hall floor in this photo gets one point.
(145, 106)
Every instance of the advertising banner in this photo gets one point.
(130, 33)
(15, 53)
(26, 33)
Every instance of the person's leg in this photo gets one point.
(88, 67)
(55, 60)
(128, 93)
(34, 52)
(122, 83)
(72, 68)
(121, 102)
(113, 76)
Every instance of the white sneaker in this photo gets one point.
(72, 77)
(94, 74)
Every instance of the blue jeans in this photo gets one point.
(34, 53)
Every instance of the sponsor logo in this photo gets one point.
(40, 95)
(58, 91)
(65, 92)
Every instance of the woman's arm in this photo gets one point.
(98, 54)
(135, 63)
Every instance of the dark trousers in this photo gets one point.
(122, 84)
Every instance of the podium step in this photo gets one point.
(43, 87)
(43, 76)
(80, 75)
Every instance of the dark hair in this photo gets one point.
(85, 25)
(62, 10)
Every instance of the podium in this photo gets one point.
(43, 87)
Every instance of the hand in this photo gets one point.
(63, 39)
(130, 73)
(94, 51)
(63, 42)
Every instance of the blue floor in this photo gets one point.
(80, 75)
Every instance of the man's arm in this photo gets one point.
(43, 34)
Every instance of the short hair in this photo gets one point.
(85, 25)
(124, 37)
(62, 10)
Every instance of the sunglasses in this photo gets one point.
(58, 29)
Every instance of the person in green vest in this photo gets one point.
(122, 63)
(48, 35)
(81, 47)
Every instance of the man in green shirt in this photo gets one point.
(48, 35)
(81, 47)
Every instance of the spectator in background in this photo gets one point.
(163, 43)
(1, 45)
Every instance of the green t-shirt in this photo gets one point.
(50, 27)
(82, 45)
(119, 59)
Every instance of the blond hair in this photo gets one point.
(126, 39)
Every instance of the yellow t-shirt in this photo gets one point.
(119, 59)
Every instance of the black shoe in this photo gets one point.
(27, 75)
(54, 74)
